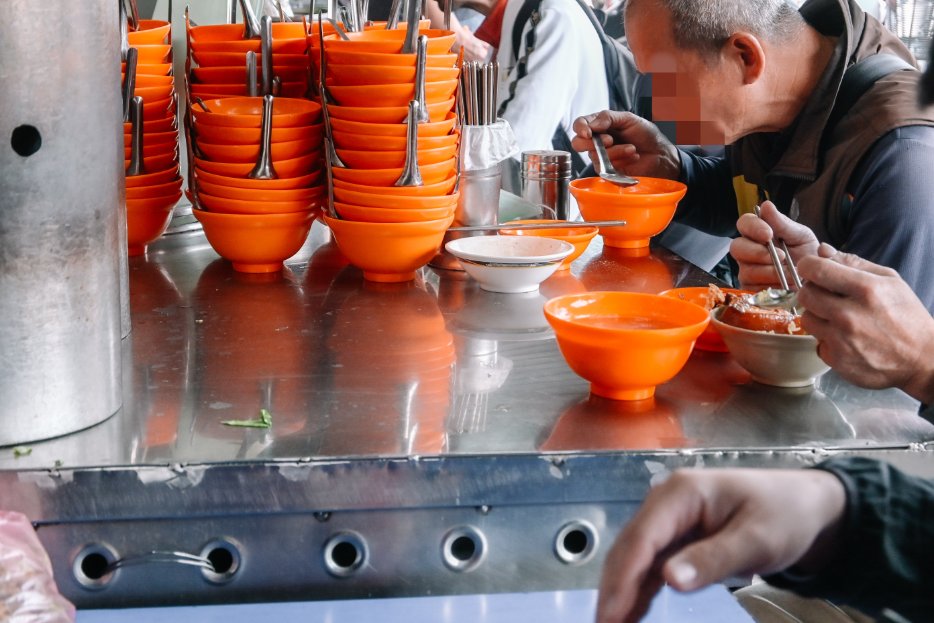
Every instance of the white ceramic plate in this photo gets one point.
(509, 249)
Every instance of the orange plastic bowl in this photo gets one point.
(154, 93)
(223, 91)
(443, 187)
(247, 112)
(154, 151)
(303, 181)
(150, 69)
(235, 32)
(237, 74)
(388, 114)
(249, 153)
(382, 201)
(147, 80)
(226, 205)
(431, 174)
(256, 243)
(150, 32)
(580, 237)
(389, 41)
(391, 95)
(349, 140)
(362, 159)
(153, 54)
(369, 214)
(156, 163)
(710, 339)
(153, 138)
(646, 207)
(155, 126)
(306, 197)
(296, 167)
(373, 59)
(388, 252)
(233, 59)
(162, 189)
(225, 135)
(284, 46)
(359, 75)
(146, 220)
(397, 130)
(153, 178)
(625, 343)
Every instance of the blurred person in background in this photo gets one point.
(474, 49)
(810, 124)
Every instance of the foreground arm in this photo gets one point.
(702, 526)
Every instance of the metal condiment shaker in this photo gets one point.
(544, 178)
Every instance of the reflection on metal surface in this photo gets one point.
(633, 270)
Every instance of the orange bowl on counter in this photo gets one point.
(288, 183)
(150, 32)
(710, 339)
(146, 220)
(235, 32)
(225, 135)
(152, 138)
(247, 112)
(155, 126)
(311, 196)
(227, 205)
(154, 151)
(439, 189)
(236, 73)
(389, 41)
(336, 57)
(146, 80)
(389, 202)
(388, 252)
(347, 140)
(153, 54)
(351, 75)
(293, 90)
(154, 93)
(363, 159)
(625, 343)
(163, 189)
(155, 163)
(249, 153)
(153, 178)
(578, 236)
(370, 214)
(391, 95)
(647, 207)
(431, 174)
(284, 46)
(149, 69)
(237, 59)
(388, 114)
(443, 127)
(296, 167)
(256, 243)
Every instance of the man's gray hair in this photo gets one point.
(706, 25)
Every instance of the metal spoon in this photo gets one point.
(607, 170)
(250, 23)
(421, 59)
(265, 38)
(447, 14)
(329, 163)
(264, 169)
(251, 89)
(231, 12)
(322, 71)
(136, 145)
(338, 29)
(134, 15)
(124, 28)
(411, 26)
(411, 176)
(282, 16)
(129, 82)
(393, 19)
(771, 297)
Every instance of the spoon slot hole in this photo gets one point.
(26, 140)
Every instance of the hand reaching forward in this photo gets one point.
(634, 145)
(704, 525)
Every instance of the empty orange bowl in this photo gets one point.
(156, 163)
(235, 32)
(388, 252)
(153, 178)
(153, 54)
(647, 207)
(150, 31)
(369, 214)
(389, 41)
(154, 93)
(388, 114)
(153, 138)
(224, 91)
(249, 153)
(364, 159)
(237, 73)
(336, 57)
(147, 80)
(625, 343)
(428, 190)
(225, 135)
(307, 196)
(398, 130)
(154, 151)
(247, 112)
(710, 339)
(296, 167)
(146, 220)
(162, 189)
(285, 46)
(349, 140)
(579, 236)
(232, 59)
(256, 243)
(228, 205)
(431, 174)
(391, 95)
(154, 126)
(384, 202)
(150, 69)
(349, 75)
(282, 183)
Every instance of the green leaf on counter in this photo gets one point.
(264, 421)
(19, 451)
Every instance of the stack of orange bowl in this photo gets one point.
(154, 191)
(256, 223)
(390, 231)
(217, 59)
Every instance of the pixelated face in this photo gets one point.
(686, 88)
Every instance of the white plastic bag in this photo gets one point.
(27, 591)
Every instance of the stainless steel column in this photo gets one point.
(61, 199)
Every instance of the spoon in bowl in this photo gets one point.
(607, 170)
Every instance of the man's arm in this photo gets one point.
(710, 203)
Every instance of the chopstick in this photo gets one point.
(478, 92)
(777, 263)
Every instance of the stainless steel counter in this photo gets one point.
(427, 438)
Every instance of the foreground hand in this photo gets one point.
(474, 49)
(702, 526)
(872, 329)
(756, 271)
(635, 146)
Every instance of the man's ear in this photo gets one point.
(746, 53)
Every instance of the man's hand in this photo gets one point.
(703, 526)
(756, 271)
(872, 329)
(634, 145)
